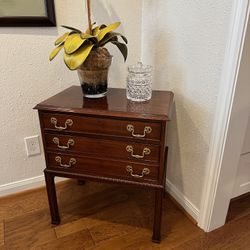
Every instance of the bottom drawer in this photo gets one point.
(105, 168)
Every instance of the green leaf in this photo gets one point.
(71, 28)
(55, 51)
(61, 39)
(96, 31)
(103, 26)
(86, 36)
(123, 48)
(124, 39)
(108, 38)
(89, 37)
(73, 43)
(87, 31)
(75, 60)
(111, 37)
(106, 30)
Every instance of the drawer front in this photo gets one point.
(100, 167)
(103, 148)
(103, 126)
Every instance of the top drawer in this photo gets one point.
(104, 126)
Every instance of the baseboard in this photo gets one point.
(23, 185)
(242, 189)
(183, 201)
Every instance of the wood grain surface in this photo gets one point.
(1, 233)
(103, 148)
(115, 104)
(103, 167)
(113, 217)
(88, 125)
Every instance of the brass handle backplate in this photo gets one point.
(72, 162)
(147, 130)
(145, 171)
(146, 151)
(68, 122)
(70, 142)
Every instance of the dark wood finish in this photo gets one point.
(89, 125)
(165, 164)
(51, 191)
(115, 105)
(105, 168)
(103, 148)
(104, 179)
(81, 182)
(32, 21)
(157, 216)
(100, 137)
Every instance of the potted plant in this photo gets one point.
(86, 53)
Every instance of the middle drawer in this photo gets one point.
(103, 148)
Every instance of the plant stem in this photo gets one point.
(89, 16)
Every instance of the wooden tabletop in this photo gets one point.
(115, 104)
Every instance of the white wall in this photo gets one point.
(185, 41)
(27, 77)
(242, 182)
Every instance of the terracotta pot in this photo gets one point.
(93, 73)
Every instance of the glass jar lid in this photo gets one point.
(140, 68)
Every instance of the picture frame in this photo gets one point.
(36, 20)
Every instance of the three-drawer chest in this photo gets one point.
(110, 139)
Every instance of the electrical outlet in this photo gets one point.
(32, 145)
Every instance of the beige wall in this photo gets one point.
(185, 42)
(27, 77)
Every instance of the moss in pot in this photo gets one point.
(85, 52)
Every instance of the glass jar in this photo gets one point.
(139, 82)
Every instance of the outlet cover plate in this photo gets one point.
(32, 145)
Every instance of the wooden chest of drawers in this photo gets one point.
(110, 139)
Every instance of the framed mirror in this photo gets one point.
(29, 13)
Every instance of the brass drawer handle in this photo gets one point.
(146, 151)
(70, 142)
(72, 162)
(68, 122)
(145, 171)
(147, 130)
